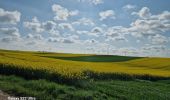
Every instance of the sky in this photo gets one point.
(114, 27)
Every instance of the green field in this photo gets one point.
(98, 90)
(96, 58)
(51, 76)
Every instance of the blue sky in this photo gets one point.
(123, 27)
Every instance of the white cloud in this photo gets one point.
(143, 13)
(144, 26)
(49, 25)
(129, 7)
(148, 24)
(116, 38)
(90, 41)
(29, 36)
(10, 39)
(164, 16)
(151, 48)
(107, 14)
(54, 33)
(93, 32)
(38, 37)
(9, 17)
(81, 32)
(84, 21)
(159, 39)
(65, 39)
(119, 38)
(95, 2)
(66, 26)
(74, 13)
(116, 31)
(52, 39)
(97, 30)
(10, 31)
(70, 39)
(74, 37)
(141, 28)
(34, 25)
(62, 13)
(31, 43)
(38, 27)
(35, 36)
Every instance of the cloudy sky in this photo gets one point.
(120, 27)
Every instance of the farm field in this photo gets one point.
(90, 76)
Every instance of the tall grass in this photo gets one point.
(122, 76)
(99, 90)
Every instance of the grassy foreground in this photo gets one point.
(97, 90)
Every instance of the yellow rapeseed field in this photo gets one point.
(71, 69)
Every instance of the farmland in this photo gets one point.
(86, 74)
